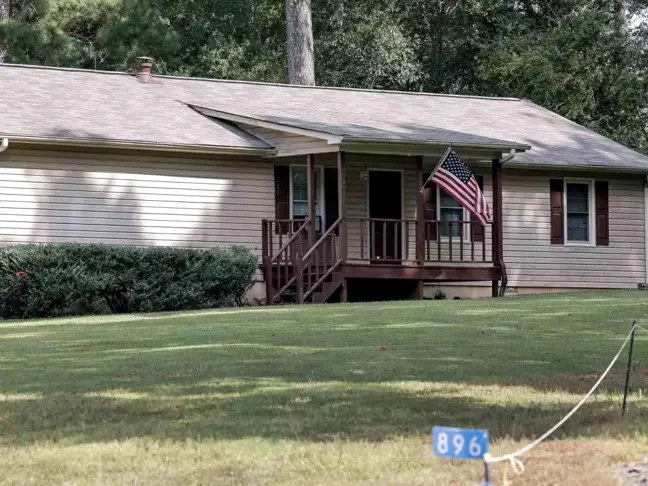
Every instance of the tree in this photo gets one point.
(301, 64)
(585, 59)
(5, 7)
(364, 45)
(621, 10)
(580, 65)
(228, 39)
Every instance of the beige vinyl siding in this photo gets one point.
(531, 259)
(289, 143)
(533, 262)
(133, 199)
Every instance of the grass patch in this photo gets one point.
(320, 394)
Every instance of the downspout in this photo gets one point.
(4, 144)
(645, 187)
(502, 291)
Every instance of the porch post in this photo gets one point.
(267, 260)
(341, 167)
(310, 175)
(497, 237)
(420, 214)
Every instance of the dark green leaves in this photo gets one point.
(75, 279)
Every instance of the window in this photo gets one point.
(450, 210)
(578, 211)
(299, 194)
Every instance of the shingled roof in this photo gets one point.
(69, 104)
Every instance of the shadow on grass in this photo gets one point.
(374, 373)
(307, 412)
(293, 392)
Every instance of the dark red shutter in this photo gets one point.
(282, 196)
(476, 228)
(557, 212)
(430, 208)
(602, 214)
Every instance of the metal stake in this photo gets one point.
(486, 475)
(627, 380)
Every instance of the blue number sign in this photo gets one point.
(452, 443)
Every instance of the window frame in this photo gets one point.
(591, 209)
(319, 191)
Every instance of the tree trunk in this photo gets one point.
(301, 65)
(621, 11)
(4, 15)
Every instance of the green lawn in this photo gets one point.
(320, 394)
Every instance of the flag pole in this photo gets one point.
(445, 156)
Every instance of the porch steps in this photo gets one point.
(322, 295)
(327, 289)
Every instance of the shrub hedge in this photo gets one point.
(76, 279)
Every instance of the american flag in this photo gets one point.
(454, 177)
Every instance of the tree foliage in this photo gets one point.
(585, 59)
(579, 63)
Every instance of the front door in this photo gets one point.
(385, 213)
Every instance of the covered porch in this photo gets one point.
(352, 218)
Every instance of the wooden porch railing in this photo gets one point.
(295, 268)
(285, 258)
(385, 240)
(297, 271)
(394, 241)
(464, 247)
(318, 263)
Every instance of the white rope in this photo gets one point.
(642, 328)
(516, 464)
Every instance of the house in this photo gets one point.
(323, 183)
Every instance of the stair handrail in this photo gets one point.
(291, 239)
(271, 260)
(305, 260)
(321, 239)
